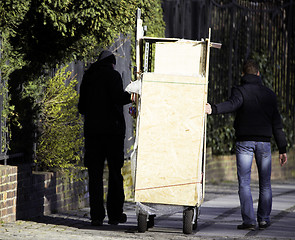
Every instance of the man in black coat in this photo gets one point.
(257, 119)
(101, 102)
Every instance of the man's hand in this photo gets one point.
(208, 109)
(283, 159)
(133, 97)
(132, 112)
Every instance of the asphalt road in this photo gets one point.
(219, 216)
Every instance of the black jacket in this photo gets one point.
(257, 115)
(101, 100)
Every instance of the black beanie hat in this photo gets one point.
(107, 56)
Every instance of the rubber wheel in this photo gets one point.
(188, 215)
(142, 222)
(195, 225)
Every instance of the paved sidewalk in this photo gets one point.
(219, 216)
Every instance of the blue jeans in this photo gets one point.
(244, 154)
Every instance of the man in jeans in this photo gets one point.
(257, 119)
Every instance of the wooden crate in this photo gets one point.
(170, 157)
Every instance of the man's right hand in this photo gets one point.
(208, 109)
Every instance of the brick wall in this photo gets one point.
(26, 194)
(223, 168)
(8, 193)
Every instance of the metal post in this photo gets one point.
(1, 103)
(146, 56)
(139, 35)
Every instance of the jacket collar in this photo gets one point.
(251, 79)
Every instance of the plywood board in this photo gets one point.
(178, 58)
(170, 139)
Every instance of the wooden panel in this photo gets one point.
(170, 139)
(179, 58)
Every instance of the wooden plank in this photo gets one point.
(179, 58)
(170, 139)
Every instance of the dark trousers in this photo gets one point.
(99, 148)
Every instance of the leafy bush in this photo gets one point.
(60, 126)
(37, 35)
(220, 137)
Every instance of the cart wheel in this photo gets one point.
(188, 215)
(195, 225)
(142, 222)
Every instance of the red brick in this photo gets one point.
(10, 210)
(10, 203)
(3, 212)
(11, 194)
(10, 218)
(12, 178)
(14, 185)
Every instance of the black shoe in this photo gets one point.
(263, 225)
(96, 223)
(121, 219)
(246, 227)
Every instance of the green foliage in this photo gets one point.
(59, 31)
(60, 142)
(152, 16)
(47, 32)
(220, 137)
(266, 72)
(36, 35)
(7, 111)
(288, 128)
(12, 13)
(267, 75)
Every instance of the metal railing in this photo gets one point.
(5, 157)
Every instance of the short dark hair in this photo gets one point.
(250, 67)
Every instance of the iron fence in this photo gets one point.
(266, 28)
(246, 28)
